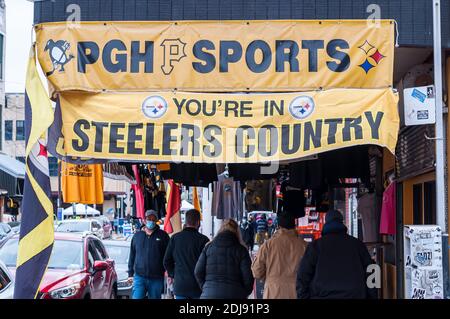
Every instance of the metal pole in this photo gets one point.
(441, 213)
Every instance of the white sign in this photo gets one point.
(420, 107)
(423, 262)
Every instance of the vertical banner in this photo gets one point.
(36, 230)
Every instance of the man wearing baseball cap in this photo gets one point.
(145, 264)
(335, 266)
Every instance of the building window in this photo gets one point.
(8, 130)
(53, 166)
(20, 130)
(1, 56)
(21, 159)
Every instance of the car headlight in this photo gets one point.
(124, 284)
(65, 292)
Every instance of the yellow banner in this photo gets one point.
(225, 128)
(225, 56)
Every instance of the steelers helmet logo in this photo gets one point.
(154, 107)
(301, 107)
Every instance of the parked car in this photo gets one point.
(16, 228)
(81, 225)
(5, 233)
(6, 282)
(119, 251)
(79, 268)
(107, 227)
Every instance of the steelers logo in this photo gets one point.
(154, 107)
(302, 107)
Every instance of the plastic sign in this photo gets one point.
(420, 107)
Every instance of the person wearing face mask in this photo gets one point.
(145, 264)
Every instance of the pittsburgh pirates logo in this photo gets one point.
(58, 54)
(173, 52)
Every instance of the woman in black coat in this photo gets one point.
(228, 262)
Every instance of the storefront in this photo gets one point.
(119, 122)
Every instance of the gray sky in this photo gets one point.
(19, 20)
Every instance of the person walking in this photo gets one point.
(270, 227)
(277, 261)
(182, 255)
(223, 270)
(335, 265)
(248, 234)
(262, 229)
(145, 264)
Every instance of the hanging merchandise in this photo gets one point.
(82, 183)
(250, 171)
(196, 202)
(227, 198)
(306, 174)
(337, 164)
(388, 211)
(172, 222)
(369, 212)
(192, 174)
(160, 199)
(260, 195)
(138, 194)
(293, 201)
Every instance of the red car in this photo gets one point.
(79, 268)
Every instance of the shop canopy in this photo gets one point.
(12, 174)
(81, 210)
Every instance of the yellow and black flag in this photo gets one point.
(36, 230)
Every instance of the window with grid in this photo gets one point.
(20, 130)
(8, 130)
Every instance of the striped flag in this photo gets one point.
(172, 223)
(36, 229)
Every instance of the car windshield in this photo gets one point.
(73, 227)
(65, 254)
(118, 253)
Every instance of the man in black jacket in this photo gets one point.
(145, 265)
(181, 257)
(335, 266)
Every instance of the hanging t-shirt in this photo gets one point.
(82, 183)
(227, 199)
(367, 209)
(388, 211)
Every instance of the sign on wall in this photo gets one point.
(423, 262)
(420, 107)
(224, 56)
(223, 128)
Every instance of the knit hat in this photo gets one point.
(334, 215)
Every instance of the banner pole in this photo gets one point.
(441, 213)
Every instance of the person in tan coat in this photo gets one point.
(277, 261)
